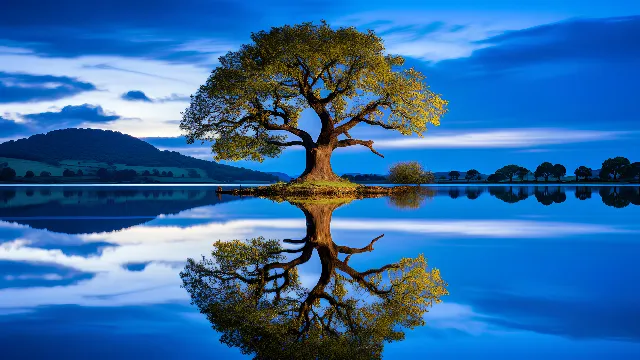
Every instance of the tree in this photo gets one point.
(155, 172)
(496, 178)
(170, 174)
(615, 166)
(79, 172)
(410, 172)
(584, 172)
(29, 174)
(251, 293)
(7, 174)
(454, 175)
(164, 173)
(68, 173)
(193, 173)
(472, 174)
(631, 171)
(559, 171)
(522, 173)
(257, 94)
(103, 174)
(544, 170)
(146, 173)
(45, 174)
(508, 171)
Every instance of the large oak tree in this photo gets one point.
(251, 104)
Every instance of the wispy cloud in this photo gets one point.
(502, 138)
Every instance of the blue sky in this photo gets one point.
(527, 82)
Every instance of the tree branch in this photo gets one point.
(288, 143)
(366, 143)
(350, 250)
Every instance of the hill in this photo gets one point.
(91, 149)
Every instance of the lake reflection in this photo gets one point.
(94, 272)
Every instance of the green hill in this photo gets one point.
(91, 149)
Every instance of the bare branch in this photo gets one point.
(366, 143)
(350, 250)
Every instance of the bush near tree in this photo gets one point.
(410, 172)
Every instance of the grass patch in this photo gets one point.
(327, 184)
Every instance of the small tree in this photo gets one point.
(155, 172)
(508, 171)
(584, 172)
(633, 171)
(79, 172)
(410, 172)
(68, 173)
(45, 174)
(103, 173)
(7, 174)
(454, 175)
(170, 174)
(472, 174)
(544, 170)
(29, 174)
(522, 173)
(146, 173)
(615, 166)
(164, 173)
(559, 171)
(496, 178)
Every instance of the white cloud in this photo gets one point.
(501, 138)
(408, 33)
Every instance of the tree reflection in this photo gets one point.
(583, 192)
(547, 196)
(473, 192)
(616, 197)
(411, 199)
(251, 292)
(509, 194)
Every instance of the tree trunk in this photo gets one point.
(319, 165)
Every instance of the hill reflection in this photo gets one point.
(251, 292)
(82, 210)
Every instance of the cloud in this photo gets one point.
(564, 317)
(569, 45)
(121, 69)
(71, 116)
(502, 138)
(135, 95)
(174, 97)
(20, 87)
(145, 29)
(10, 129)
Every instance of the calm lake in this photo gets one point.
(93, 272)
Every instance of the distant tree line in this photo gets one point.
(613, 169)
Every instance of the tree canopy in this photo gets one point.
(544, 170)
(250, 105)
(509, 171)
(472, 174)
(615, 166)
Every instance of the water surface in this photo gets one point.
(547, 271)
